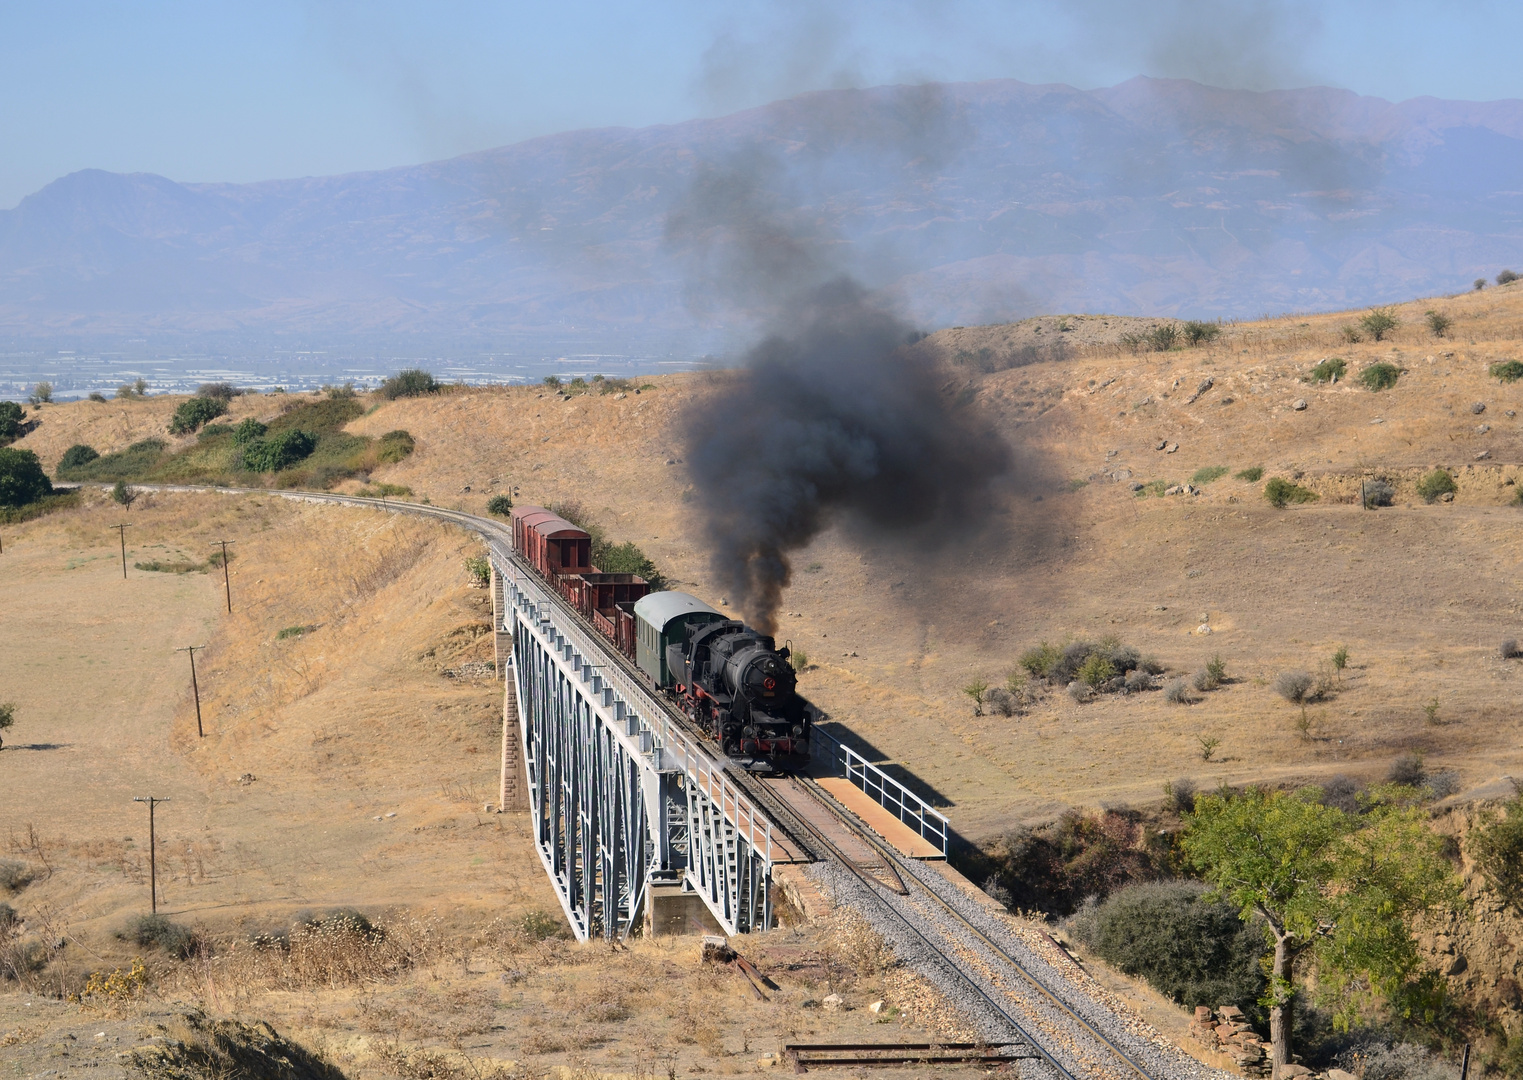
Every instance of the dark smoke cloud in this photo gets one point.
(833, 420)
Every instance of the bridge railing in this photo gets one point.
(883, 789)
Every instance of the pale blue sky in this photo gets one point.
(240, 91)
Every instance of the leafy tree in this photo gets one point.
(133, 391)
(278, 451)
(1379, 322)
(7, 718)
(219, 391)
(1480, 283)
(1336, 889)
(976, 690)
(11, 428)
(1439, 323)
(41, 393)
(553, 382)
(193, 413)
(412, 382)
(22, 480)
(123, 495)
(77, 457)
(247, 431)
(501, 505)
(1506, 277)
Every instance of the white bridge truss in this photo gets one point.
(620, 798)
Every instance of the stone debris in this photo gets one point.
(832, 1003)
(1227, 1032)
(1478, 408)
(1171, 448)
(1483, 455)
(875, 1007)
(1161, 444)
(1199, 390)
(1299, 404)
(1483, 429)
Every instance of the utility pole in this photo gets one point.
(122, 532)
(227, 584)
(194, 687)
(153, 860)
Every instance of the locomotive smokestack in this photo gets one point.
(833, 418)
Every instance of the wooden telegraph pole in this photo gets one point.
(227, 583)
(195, 687)
(122, 532)
(153, 861)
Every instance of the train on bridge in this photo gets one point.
(735, 685)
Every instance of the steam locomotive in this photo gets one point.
(732, 682)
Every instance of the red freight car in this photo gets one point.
(552, 544)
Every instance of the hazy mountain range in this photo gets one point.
(968, 202)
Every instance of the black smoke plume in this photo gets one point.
(833, 419)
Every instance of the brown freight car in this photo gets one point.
(552, 544)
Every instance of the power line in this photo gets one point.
(153, 861)
(122, 532)
(195, 687)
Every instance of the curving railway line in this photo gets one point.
(1013, 994)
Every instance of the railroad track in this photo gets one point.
(1071, 1045)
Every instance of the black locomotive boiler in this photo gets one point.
(739, 687)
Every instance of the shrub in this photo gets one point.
(394, 446)
(1179, 795)
(1281, 493)
(1438, 324)
(41, 393)
(1137, 681)
(1498, 850)
(1001, 701)
(1435, 485)
(279, 451)
(1381, 376)
(14, 876)
(123, 495)
(976, 690)
(1207, 473)
(96, 395)
(552, 381)
(158, 932)
(22, 480)
(798, 659)
(214, 431)
(219, 391)
(1376, 493)
(340, 392)
(11, 427)
(1407, 771)
(501, 505)
(248, 430)
(480, 568)
(1192, 949)
(1208, 745)
(7, 718)
(1508, 648)
(1506, 277)
(190, 415)
(76, 457)
(133, 391)
(1294, 686)
(1340, 659)
(413, 382)
(1430, 712)
(1330, 370)
(1163, 337)
(1176, 692)
(1351, 334)
(1480, 283)
(1253, 474)
(1080, 692)
(542, 926)
(1507, 370)
(1203, 681)
(1039, 660)
(1379, 322)
(1201, 333)
(1096, 670)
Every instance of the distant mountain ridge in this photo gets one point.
(968, 202)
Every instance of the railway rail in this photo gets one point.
(909, 901)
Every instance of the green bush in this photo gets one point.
(294, 631)
(157, 932)
(1281, 492)
(394, 446)
(1506, 277)
(1498, 848)
(413, 382)
(1201, 333)
(1039, 659)
(1207, 473)
(133, 463)
(1253, 474)
(41, 394)
(76, 457)
(279, 451)
(11, 427)
(552, 381)
(1379, 322)
(480, 568)
(1096, 671)
(214, 431)
(1438, 323)
(1381, 376)
(1507, 370)
(501, 505)
(22, 480)
(1334, 367)
(1195, 951)
(191, 414)
(611, 558)
(248, 430)
(1162, 338)
(1435, 484)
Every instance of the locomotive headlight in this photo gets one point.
(798, 729)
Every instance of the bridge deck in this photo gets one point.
(899, 835)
